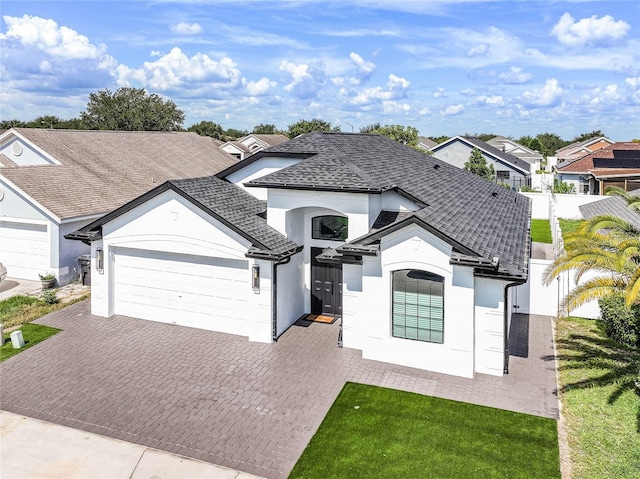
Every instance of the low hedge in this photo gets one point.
(621, 323)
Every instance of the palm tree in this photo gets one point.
(609, 246)
(632, 200)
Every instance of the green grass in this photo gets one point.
(601, 407)
(32, 334)
(541, 231)
(22, 309)
(568, 226)
(383, 433)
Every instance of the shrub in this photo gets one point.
(49, 296)
(621, 323)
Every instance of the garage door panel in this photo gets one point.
(24, 249)
(210, 293)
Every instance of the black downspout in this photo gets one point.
(274, 299)
(505, 369)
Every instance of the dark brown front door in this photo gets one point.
(326, 292)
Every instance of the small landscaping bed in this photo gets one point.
(600, 401)
(32, 334)
(23, 309)
(377, 432)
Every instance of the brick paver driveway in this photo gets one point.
(222, 399)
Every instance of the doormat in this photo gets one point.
(319, 318)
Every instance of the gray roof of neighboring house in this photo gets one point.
(497, 153)
(612, 205)
(101, 170)
(528, 154)
(480, 218)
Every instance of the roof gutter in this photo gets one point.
(274, 298)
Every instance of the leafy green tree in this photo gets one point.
(265, 129)
(587, 136)
(477, 165)
(525, 140)
(562, 187)
(550, 143)
(302, 127)
(131, 109)
(6, 124)
(609, 246)
(439, 139)
(483, 136)
(234, 133)
(371, 128)
(406, 135)
(535, 145)
(207, 128)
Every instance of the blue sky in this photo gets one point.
(445, 67)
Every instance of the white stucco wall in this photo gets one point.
(170, 224)
(489, 326)
(258, 169)
(567, 206)
(291, 292)
(367, 305)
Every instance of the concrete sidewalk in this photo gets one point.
(37, 449)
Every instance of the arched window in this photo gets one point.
(418, 305)
(330, 227)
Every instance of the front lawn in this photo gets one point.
(32, 335)
(600, 403)
(377, 432)
(541, 231)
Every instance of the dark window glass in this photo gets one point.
(330, 228)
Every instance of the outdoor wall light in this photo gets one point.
(255, 277)
(99, 260)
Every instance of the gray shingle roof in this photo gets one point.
(101, 170)
(612, 205)
(239, 209)
(497, 153)
(482, 217)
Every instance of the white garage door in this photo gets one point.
(202, 292)
(24, 249)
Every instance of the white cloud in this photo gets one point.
(364, 69)
(392, 107)
(478, 50)
(515, 75)
(51, 39)
(452, 110)
(424, 111)
(175, 70)
(184, 28)
(588, 31)
(549, 95)
(438, 93)
(396, 89)
(467, 92)
(633, 81)
(262, 87)
(495, 100)
(306, 80)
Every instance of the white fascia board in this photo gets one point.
(46, 211)
(82, 218)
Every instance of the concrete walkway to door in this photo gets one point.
(218, 398)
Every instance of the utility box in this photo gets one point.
(17, 340)
(85, 269)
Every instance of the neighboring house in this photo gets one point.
(582, 148)
(533, 157)
(250, 144)
(426, 143)
(415, 258)
(509, 169)
(53, 182)
(617, 164)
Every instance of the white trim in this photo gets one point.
(35, 147)
(46, 211)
